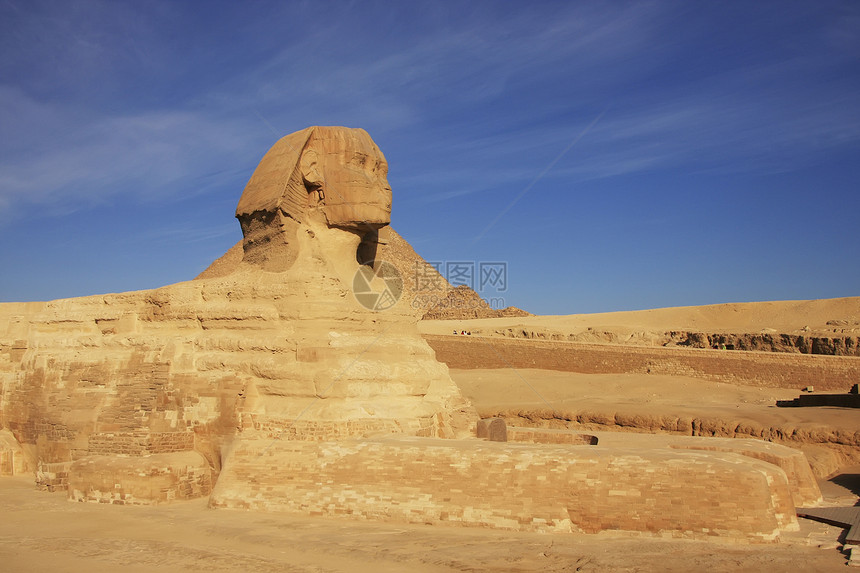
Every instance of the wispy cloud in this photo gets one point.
(145, 154)
(190, 234)
(66, 151)
(490, 101)
(123, 110)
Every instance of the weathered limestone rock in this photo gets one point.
(13, 460)
(314, 179)
(277, 349)
(546, 488)
(158, 478)
(493, 429)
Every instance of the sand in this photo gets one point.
(811, 316)
(44, 532)
(492, 391)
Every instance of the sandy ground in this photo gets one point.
(45, 532)
(496, 390)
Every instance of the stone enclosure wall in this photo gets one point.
(776, 370)
(13, 460)
(550, 488)
(159, 478)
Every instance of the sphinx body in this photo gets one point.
(278, 349)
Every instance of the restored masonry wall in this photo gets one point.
(776, 370)
(159, 478)
(554, 488)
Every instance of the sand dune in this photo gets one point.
(826, 315)
(809, 327)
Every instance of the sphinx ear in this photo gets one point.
(311, 169)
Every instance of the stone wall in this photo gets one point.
(13, 460)
(550, 436)
(53, 477)
(802, 482)
(777, 370)
(804, 487)
(139, 443)
(550, 488)
(190, 367)
(148, 480)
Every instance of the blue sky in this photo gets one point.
(615, 155)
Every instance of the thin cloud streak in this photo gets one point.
(145, 154)
(538, 178)
(185, 234)
(104, 155)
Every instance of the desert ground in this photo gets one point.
(189, 537)
(838, 317)
(46, 532)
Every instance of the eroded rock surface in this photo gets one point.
(278, 348)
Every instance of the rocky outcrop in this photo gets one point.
(837, 345)
(803, 344)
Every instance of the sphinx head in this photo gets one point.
(334, 175)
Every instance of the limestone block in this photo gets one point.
(13, 459)
(853, 555)
(550, 436)
(548, 488)
(493, 429)
(804, 486)
(52, 477)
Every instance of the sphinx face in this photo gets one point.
(352, 174)
(332, 175)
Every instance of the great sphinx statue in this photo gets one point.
(311, 215)
(278, 347)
